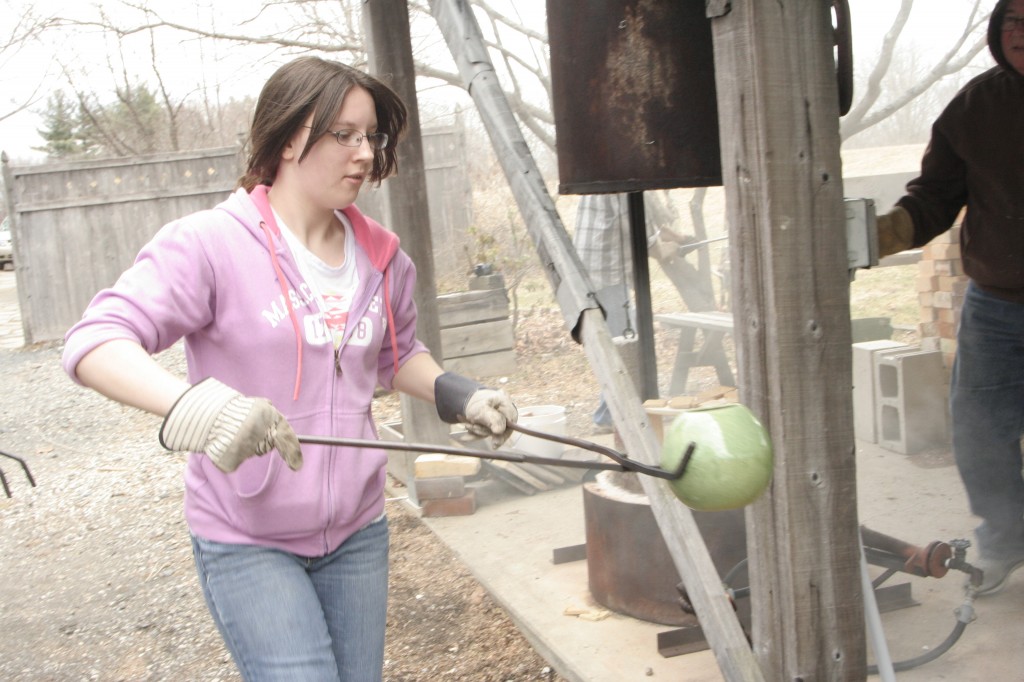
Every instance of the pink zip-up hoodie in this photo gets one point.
(225, 281)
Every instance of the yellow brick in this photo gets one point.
(942, 299)
(946, 268)
(927, 283)
(944, 283)
(434, 465)
(947, 330)
(945, 251)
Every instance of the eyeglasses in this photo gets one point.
(354, 138)
(1011, 24)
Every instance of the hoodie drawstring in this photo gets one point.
(391, 318)
(281, 280)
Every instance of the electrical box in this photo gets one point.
(861, 234)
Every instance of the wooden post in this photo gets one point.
(565, 272)
(779, 119)
(390, 58)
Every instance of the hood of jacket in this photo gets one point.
(995, 37)
(254, 212)
(253, 208)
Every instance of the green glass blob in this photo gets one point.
(731, 464)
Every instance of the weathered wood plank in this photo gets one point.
(389, 48)
(80, 224)
(779, 129)
(465, 307)
(483, 366)
(474, 339)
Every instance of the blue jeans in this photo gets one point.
(987, 400)
(288, 617)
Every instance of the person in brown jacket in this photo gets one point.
(975, 159)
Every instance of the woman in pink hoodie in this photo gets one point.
(294, 307)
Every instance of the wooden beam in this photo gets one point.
(390, 57)
(572, 289)
(779, 130)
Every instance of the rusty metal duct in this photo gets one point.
(634, 95)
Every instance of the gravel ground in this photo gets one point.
(98, 577)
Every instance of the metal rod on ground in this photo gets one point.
(874, 622)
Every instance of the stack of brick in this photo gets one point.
(440, 484)
(941, 287)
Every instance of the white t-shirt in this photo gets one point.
(332, 287)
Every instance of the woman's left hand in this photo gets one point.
(488, 413)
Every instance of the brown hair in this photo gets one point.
(318, 86)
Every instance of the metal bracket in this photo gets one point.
(717, 8)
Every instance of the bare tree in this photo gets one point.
(876, 104)
(332, 27)
(25, 30)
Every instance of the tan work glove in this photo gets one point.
(484, 411)
(228, 427)
(895, 232)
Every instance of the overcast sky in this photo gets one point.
(933, 24)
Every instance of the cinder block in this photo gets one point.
(911, 400)
(864, 386)
(458, 506)
(440, 488)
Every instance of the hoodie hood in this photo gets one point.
(995, 37)
(379, 244)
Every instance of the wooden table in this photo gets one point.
(713, 327)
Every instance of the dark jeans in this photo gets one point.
(987, 401)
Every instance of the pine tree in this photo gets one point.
(62, 125)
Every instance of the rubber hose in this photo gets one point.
(900, 666)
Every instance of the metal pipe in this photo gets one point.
(620, 462)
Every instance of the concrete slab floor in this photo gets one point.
(508, 543)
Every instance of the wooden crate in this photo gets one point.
(476, 333)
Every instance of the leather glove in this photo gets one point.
(228, 427)
(484, 411)
(895, 232)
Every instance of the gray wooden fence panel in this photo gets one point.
(78, 225)
(449, 197)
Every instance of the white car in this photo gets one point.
(6, 252)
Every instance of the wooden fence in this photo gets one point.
(77, 225)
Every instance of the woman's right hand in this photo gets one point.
(228, 427)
